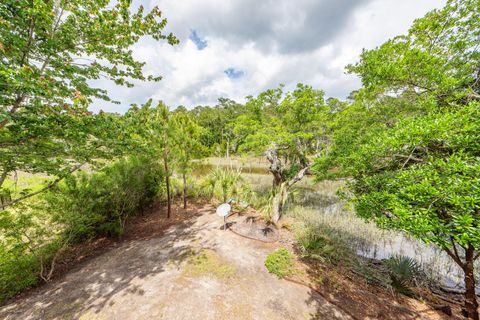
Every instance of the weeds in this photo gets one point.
(207, 262)
(280, 262)
(324, 248)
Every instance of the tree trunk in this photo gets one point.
(184, 191)
(282, 194)
(227, 154)
(278, 202)
(471, 304)
(277, 180)
(276, 167)
(167, 183)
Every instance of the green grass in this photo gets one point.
(24, 182)
(209, 263)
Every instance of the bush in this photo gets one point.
(18, 270)
(280, 262)
(223, 184)
(28, 242)
(35, 234)
(100, 203)
(402, 272)
(319, 242)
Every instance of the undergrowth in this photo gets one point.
(280, 262)
(36, 233)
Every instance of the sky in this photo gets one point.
(237, 48)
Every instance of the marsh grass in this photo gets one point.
(322, 219)
(244, 164)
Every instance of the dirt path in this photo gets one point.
(194, 271)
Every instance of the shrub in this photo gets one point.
(318, 241)
(402, 272)
(223, 184)
(280, 262)
(18, 270)
(35, 234)
(100, 203)
(28, 242)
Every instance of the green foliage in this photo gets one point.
(51, 51)
(280, 262)
(438, 57)
(323, 245)
(264, 202)
(187, 145)
(402, 272)
(413, 154)
(19, 270)
(224, 184)
(28, 240)
(418, 174)
(36, 233)
(100, 203)
(172, 136)
(217, 122)
(85, 205)
(292, 120)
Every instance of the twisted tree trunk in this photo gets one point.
(280, 186)
(276, 166)
(278, 202)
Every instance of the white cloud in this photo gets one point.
(271, 42)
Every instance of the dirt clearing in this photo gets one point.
(192, 270)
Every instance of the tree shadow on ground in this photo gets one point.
(353, 295)
(91, 285)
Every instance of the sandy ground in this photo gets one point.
(194, 271)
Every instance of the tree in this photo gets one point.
(287, 128)
(50, 52)
(187, 145)
(152, 131)
(414, 156)
(217, 122)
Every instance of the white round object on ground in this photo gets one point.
(223, 210)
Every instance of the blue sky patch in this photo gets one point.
(199, 42)
(233, 73)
